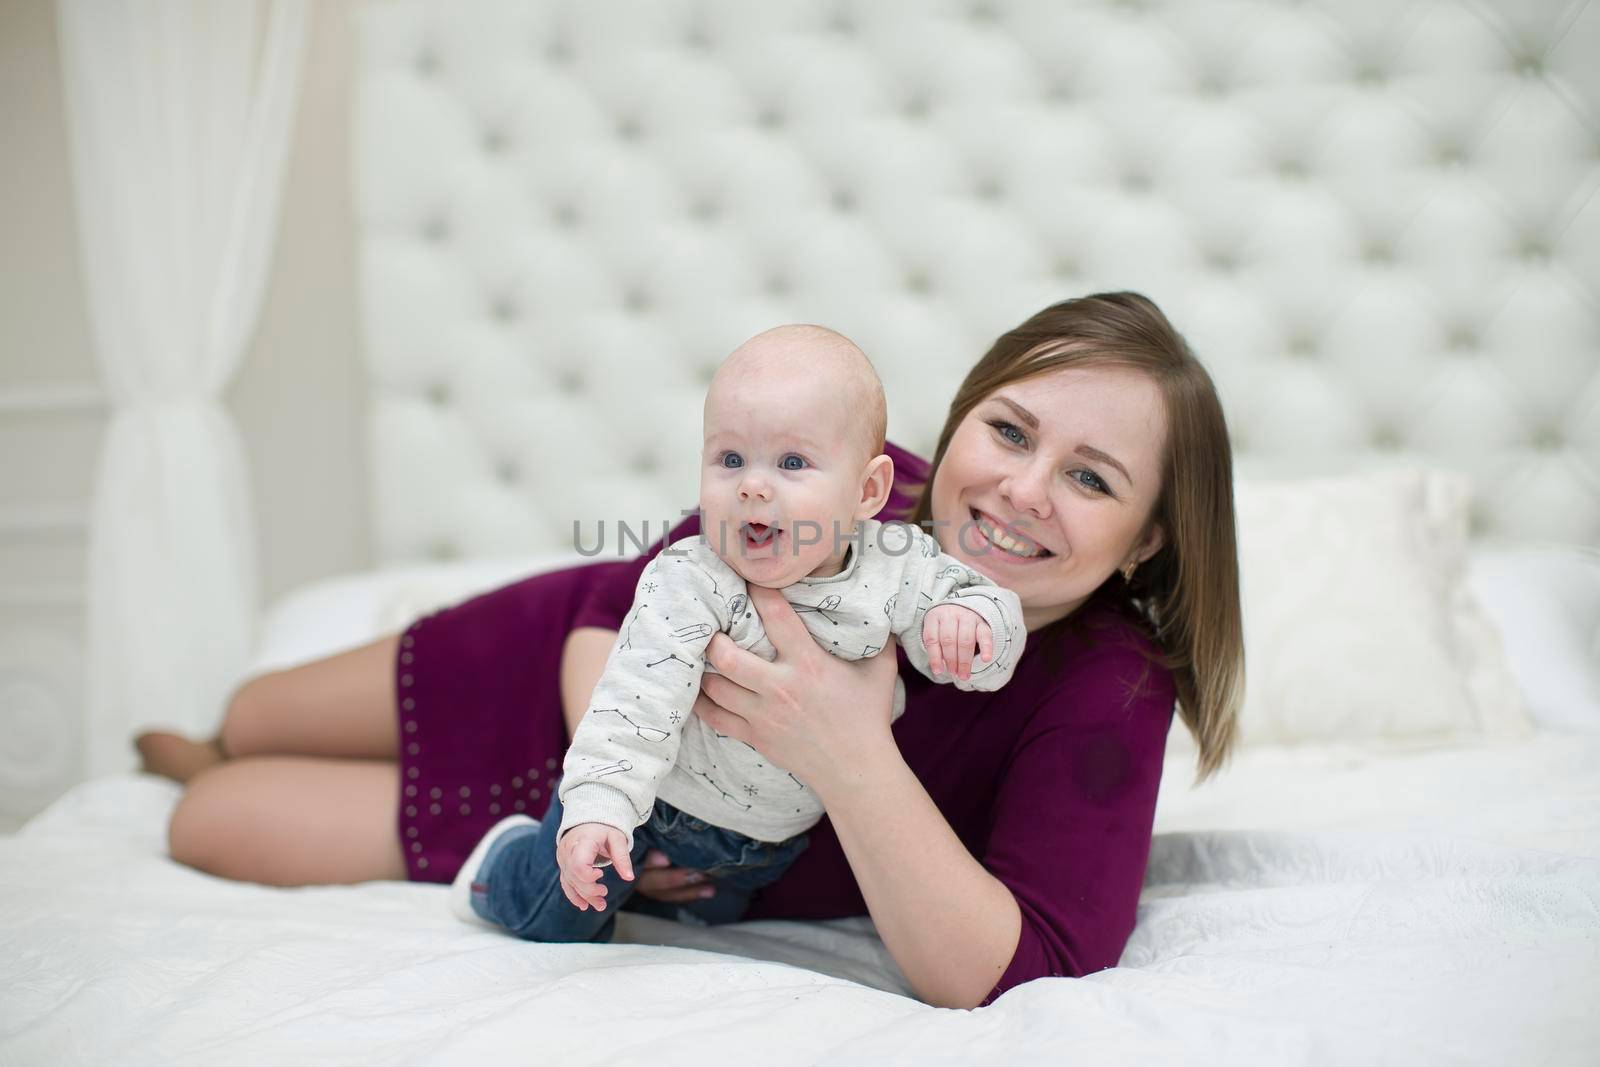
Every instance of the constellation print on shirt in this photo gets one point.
(726, 737)
(627, 627)
(956, 573)
(729, 797)
(610, 768)
(671, 658)
(647, 733)
(715, 591)
(829, 605)
(692, 632)
(890, 604)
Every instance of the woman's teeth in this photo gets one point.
(1000, 539)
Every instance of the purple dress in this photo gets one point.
(1051, 782)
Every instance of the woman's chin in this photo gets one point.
(1013, 578)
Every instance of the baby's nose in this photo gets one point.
(755, 487)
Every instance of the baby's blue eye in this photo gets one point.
(732, 460)
(800, 463)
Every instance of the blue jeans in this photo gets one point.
(523, 882)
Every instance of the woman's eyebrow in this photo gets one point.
(1021, 412)
(1092, 452)
(1087, 451)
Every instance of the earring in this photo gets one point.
(1127, 572)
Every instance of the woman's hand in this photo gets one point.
(660, 880)
(809, 712)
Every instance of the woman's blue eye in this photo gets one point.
(732, 460)
(1091, 480)
(1097, 483)
(800, 460)
(1001, 426)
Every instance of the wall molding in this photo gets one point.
(34, 595)
(53, 398)
(17, 522)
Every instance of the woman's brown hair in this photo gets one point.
(1188, 592)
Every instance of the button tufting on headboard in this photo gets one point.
(1376, 224)
(503, 308)
(436, 229)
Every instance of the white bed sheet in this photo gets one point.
(1320, 905)
(1458, 922)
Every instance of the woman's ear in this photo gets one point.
(1153, 540)
(875, 483)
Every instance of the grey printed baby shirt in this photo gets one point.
(639, 740)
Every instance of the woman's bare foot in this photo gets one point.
(175, 756)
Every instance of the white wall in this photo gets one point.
(298, 398)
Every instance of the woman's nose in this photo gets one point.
(1028, 490)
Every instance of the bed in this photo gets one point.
(1317, 904)
(568, 213)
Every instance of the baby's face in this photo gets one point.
(779, 474)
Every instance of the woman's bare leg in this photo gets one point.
(342, 705)
(291, 820)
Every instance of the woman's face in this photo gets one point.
(1070, 463)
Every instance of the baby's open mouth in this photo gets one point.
(759, 535)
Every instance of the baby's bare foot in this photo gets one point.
(175, 756)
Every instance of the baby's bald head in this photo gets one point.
(808, 353)
(793, 446)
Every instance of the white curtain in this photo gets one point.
(178, 114)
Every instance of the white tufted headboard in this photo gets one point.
(1376, 222)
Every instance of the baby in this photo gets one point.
(792, 471)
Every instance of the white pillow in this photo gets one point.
(338, 613)
(1359, 623)
(1546, 601)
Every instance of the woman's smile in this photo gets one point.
(993, 533)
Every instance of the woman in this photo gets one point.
(993, 838)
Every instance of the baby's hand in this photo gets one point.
(949, 632)
(576, 852)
